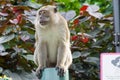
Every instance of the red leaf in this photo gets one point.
(85, 39)
(32, 49)
(84, 8)
(76, 21)
(81, 12)
(15, 9)
(19, 9)
(74, 38)
(19, 18)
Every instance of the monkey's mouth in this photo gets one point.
(43, 22)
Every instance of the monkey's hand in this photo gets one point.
(39, 72)
(61, 71)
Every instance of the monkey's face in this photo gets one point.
(45, 15)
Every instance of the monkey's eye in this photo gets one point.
(55, 9)
(42, 12)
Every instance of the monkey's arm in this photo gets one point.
(36, 39)
(64, 57)
(41, 57)
(35, 52)
(61, 57)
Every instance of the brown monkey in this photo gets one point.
(52, 40)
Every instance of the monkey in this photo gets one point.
(52, 46)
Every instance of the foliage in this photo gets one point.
(91, 28)
(91, 35)
(17, 35)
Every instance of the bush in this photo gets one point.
(91, 34)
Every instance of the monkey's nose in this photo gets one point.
(41, 17)
(42, 22)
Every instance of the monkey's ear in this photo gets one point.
(55, 9)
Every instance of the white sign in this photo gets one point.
(110, 66)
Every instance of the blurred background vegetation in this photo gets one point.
(90, 23)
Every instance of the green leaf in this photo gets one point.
(21, 75)
(76, 54)
(107, 36)
(70, 15)
(28, 57)
(33, 5)
(1, 69)
(4, 39)
(85, 54)
(98, 42)
(7, 30)
(3, 53)
(32, 0)
(2, 48)
(95, 32)
(72, 0)
(65, 1)
(92, 59)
